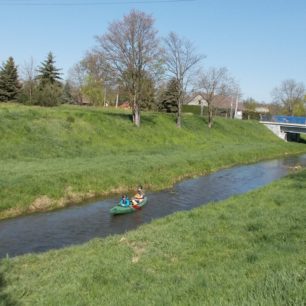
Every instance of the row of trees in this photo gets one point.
(148, 71)
(131, 63)
(40, 86)
(289, 98)
(291, 95)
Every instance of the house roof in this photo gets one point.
(221, 102)
(125, 105)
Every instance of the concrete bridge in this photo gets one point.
(287, 128)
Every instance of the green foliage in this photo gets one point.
(47, 72)
(92, 151)
(25, 95)
(299, 108)
(169, 99)
(68, 94)
(49, 90)
(9, 84)
(147, 94)
(50, 94)
(248, 250)
(250, 114)
(93, 90)
(194, 109)
(250, 104)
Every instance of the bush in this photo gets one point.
(248, 114)
(48, 95)
(195, 109)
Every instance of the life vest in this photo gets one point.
(125, 202)
(139, 196)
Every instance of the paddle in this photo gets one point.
(136, 206)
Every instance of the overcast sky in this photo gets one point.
(261, 42)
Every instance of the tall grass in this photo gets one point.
(52, 156)
(248, 250)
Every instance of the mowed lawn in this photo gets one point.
(247, 250)
(50, 157)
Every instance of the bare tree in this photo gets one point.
(95, 65)
(76, 78)
(215, 82)
(289, 94)
(181, 62)
(29, 76)
(131, 50)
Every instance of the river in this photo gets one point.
(77, 224)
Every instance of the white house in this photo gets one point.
(197, 100)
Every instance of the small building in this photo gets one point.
(222, 105)
(125, 105)
(197, 100)
(262, 109)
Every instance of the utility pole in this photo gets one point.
(104, 96)
(237, 99)
(117, 99)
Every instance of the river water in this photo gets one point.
(77, 224)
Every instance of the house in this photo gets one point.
(223, 105)
(262, 110)
(197, 100)
(125, 105)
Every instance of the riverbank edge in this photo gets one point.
(244, 250)
(47, 204)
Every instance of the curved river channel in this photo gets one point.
(77, 224)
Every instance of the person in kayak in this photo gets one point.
(124, 201)
(139, 196)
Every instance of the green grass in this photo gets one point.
(247, 250)
(50, 157)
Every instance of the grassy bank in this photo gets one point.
(248, 250)
(50, 157)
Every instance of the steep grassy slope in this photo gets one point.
(52, 156)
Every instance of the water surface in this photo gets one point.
(74, 225)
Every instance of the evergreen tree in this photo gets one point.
(47, 72)
(50, 89)
(67, 93)
(147, 94)
(9, 84)
(170, 97)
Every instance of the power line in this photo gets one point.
(93, 3)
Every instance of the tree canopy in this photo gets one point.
(47, 72)
(290, 94)
(170, 97)
(131, 50)
(9, 84)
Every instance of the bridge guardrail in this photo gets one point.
(284, 119)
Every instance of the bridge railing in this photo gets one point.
(284, 119)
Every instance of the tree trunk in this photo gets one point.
(202, 109)
(117, 99)
(136, 112)
(179, 112)
(236, 107)
(31, 94)
(210, 116)
(104, 102)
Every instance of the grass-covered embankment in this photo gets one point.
(247, 250)
(52, 156)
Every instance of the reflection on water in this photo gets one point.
(43, 231)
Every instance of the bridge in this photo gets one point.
(287, 128)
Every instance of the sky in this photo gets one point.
(261, 42)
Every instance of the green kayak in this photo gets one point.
(118, 209)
